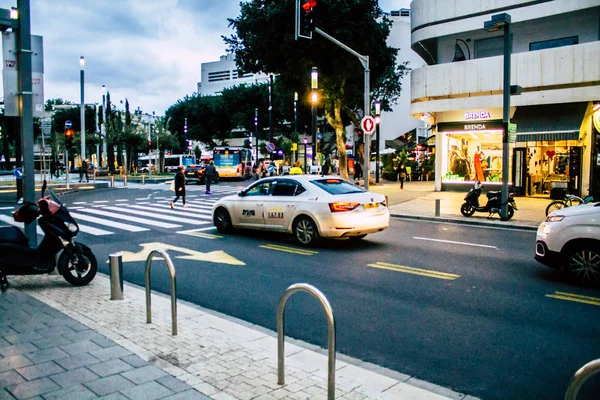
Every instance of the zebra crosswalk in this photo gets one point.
(218, 189)
(125, 217)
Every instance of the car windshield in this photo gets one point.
(337, 186)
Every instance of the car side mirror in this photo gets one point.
(241, 193)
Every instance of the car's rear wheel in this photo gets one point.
(583, 263)
(305, 231)
(222, 220)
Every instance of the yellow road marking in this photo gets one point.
(202, 235)
(577, 298)
(415, 271)
(289, 249)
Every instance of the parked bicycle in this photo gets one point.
(570, 200)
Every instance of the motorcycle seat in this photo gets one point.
(493, 194)
(11, 234)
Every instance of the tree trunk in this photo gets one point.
(335, 120)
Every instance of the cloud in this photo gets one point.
(148, 51)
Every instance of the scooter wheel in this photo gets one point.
(78, 269)
(510, 212)
(467, 210)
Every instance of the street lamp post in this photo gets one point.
(82, 107)
(296, 120)
(103, 128)
(377, 123)
(271, 109)
(256, 132)
(314, 85)
(305, 143)
(503, 21)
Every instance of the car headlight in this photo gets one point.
(72, 228)
(555, 218)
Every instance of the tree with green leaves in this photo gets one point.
(264, 41)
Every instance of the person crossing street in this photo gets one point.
(179, 187)
(209, 172)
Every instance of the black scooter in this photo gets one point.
(494, 200)
(76, 263)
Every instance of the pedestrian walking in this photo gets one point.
(209, 172)
(272, 164)
(52, 168)
(179, 187)
(357, 170)
(83, 171)
(326, 167)
(402, 174)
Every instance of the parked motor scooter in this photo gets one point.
(494, 200)
(76, 263)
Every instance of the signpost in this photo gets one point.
(270, 147)
(368, 125)
(512, 133)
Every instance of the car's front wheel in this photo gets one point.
(305, 231)
(583, 263)
(222, 220)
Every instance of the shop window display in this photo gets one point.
(474, 156)
(548, 167)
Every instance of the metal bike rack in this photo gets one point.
(167, 259)
(582, 375)
(304, 287)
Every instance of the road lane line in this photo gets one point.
(453, 242)
(201, 235)
(415, 271)
(110, 224)
(208, 228)
(131, 218)
(186, 220)
(294, 250)
(577, 298)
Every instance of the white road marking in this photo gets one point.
(122, 200)
(99, 201)
(186, 220)
(208, 228)
(80, 202)
(6, 208)
(10, 221)
(453, 242)
(167, 210)
(112, 224)
(132, 219)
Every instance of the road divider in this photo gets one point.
(415, 271)
(302, 252)
(577, 298)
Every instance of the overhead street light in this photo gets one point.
(82, 106)
(377, 123)
(314, 85)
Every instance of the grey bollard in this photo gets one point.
(143, 179)
(112, 181)
(437, 207)
(116, 276)
(124, 180)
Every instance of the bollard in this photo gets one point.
(124, 180)
(143, 179)
(112, 181)
(437, 207)
(116, 276)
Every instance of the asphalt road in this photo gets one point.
(460, 306)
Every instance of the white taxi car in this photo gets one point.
(570, 238)
(308, 206)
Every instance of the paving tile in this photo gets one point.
(33, 388)
(53, 341)
(55, 331)
(13, 362)
(144, 374)
(173, 384)
(110, 352)
(103, 342)
(10, 378)
(4, 343)
(86, 346)
(4, 395)
(135, 361)
(114, 396)
(73, 377)
(73, 392)
(110, 367)
(188, 395)
(17, 349)
(147, 391)
(83, 335)
(108, 385)
(40, 370)
(46, 355)
(22, 337)
(74, 362)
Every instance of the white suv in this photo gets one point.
(570, 238)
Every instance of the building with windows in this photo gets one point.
(222, 74)
(556, 61)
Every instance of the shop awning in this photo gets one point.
(549, 122)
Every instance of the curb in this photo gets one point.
(466, 222)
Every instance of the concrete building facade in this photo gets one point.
(556, 61)
(218, 75)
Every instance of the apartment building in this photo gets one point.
(218, 75)
(556, 61)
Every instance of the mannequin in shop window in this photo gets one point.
(459, 165)
(477, 159)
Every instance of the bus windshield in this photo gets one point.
(188, 160)
(227, 159)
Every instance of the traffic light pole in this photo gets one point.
(364, 60)
(67, 169)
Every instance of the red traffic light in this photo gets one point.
(69, 132)
(308, 4)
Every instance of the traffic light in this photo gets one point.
(68, 139)
(149, 146)
(305, 24)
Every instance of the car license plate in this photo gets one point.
(371, 205)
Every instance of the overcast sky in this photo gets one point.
(148, 51)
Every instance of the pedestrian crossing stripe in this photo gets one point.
(167, 210)
(132, 219)
(295, 250)
(595, 301)
(186, 220)
(112, 224)
(415, 271)
(201, 234)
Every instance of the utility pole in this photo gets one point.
(256, 132)
(82, 109)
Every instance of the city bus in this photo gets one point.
(233, 161)
(172, 161)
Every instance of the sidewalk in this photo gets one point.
(64, 342)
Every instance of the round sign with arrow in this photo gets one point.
(368, 124)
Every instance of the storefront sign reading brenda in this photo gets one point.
(469, 127)
(477, 115)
